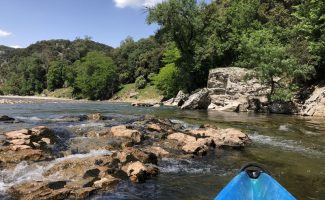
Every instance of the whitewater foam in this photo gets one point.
(289, 145)
(24, 172)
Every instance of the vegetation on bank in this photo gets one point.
(130, 93)
(282, 40)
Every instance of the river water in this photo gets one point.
(292, 148)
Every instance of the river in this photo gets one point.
(292, 148)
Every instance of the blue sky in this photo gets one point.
(23, 22)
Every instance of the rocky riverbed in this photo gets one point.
(47, 163)
(64, 148)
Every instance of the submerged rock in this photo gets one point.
(5, 118)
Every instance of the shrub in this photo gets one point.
(140, 82)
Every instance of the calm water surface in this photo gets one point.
(292, 148)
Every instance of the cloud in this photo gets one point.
(136, 3)
(4, 33)
(15, 46)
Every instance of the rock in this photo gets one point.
(315, 104)
(20, 142)
(16, 154)
(74, 118)
(20, 134)
(133, 154)
(138, 172)
(158, 151)
(106, 182)
(123, 131)
(191, 144)
(19, 147)
(199, 100)
(169, 102)
(180, 98)
(5, 118)
(181, 137)
(81, 193)
(230, 90)
(96, 117)
(154, 127)
(100, 133)
(139, 104)
(282, 107)
(223, 137)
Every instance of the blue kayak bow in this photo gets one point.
(254, 183)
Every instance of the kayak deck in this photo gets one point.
(263, 187)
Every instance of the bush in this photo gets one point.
(140, 82)
(168, 80)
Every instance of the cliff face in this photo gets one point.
(232, 89)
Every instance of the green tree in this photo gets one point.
(273, 62)
(96, 77)
(311, 28)
(56, 75)
(169, 80)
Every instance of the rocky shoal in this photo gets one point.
(130, 152)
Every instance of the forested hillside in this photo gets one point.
(282, 40)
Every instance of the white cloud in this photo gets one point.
(4, 33)
(16, 46)
(136, 3)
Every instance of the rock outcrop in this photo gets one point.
(232, 90)
(315, 104)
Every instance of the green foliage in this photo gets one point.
(96, 77)
(311, 28)
(56, 75)
(140, 82)
(27, 79)
(273, 63)
(169, 79)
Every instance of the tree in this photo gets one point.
(180, 20)
(311, 28)
(56, 75)
(273, 62)
(169, 80)
(96, 77)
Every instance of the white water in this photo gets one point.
(34, 172)
(289, 145)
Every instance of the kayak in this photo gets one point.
(254, 183)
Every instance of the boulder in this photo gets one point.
(5, 118)
(280, 107)
(180, 98)
(315, 104)
(138, 172)
(126, 132)
(19, 134)
(96, 117)
(223, 137)
(198, 100)
(169, 102)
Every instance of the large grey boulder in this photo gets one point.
(198, 100)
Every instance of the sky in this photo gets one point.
(24, 22)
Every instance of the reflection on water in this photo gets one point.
(292, 148)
